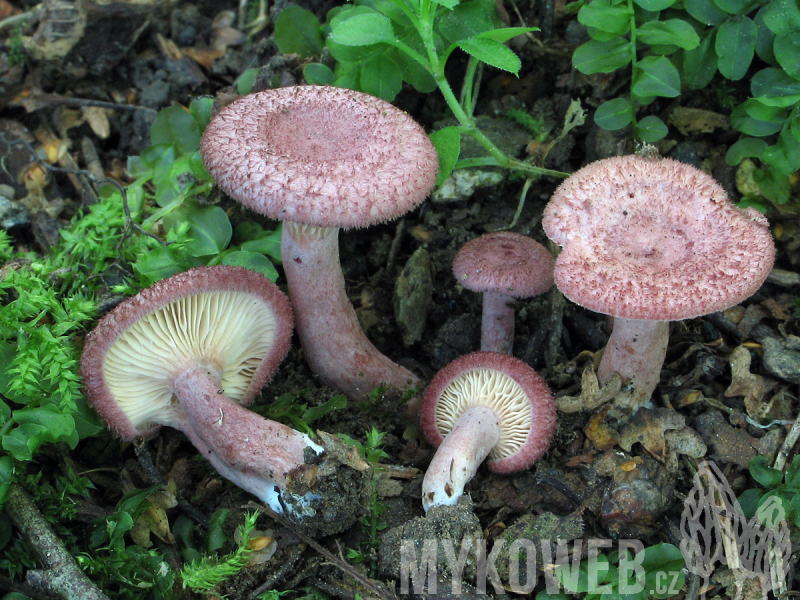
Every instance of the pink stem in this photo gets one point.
(636, 350)
(334, 344)
(253, 452)
(458, 457)
(497, 323)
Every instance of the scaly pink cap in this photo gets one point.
(517, 395)
(505, 262)
(654, 239)
(318, 155)
(231, 320)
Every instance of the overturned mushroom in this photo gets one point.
(484, 404)
(190, 352)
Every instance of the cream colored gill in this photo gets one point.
(491, 388)
(231, 332)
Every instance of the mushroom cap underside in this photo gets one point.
(654, 239)
(504, 262)
(517, 394)
(319, 155)
(231, 320)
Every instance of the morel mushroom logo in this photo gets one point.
(715, 530)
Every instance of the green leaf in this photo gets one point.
(765, 475)
(766, 38)
(784, 155)
(656, 76)
(363, 30)
(763, 112)
(337, 402)
(748, 501)
(700, 63)
(651, 129)
(266, 242)
(601, 57)
(469, 19)
(613, 114)
(735, 46)
(447, 142)
(773, 184)
(244, 83)
(209, 228)
(663, 565)
(775, 88)
(655, 5)
(492, 53)
(318, 74)
(254, 261)
(506, 33)
(743, 122)
(202, 109)
(298, 31)
(451, 4)
(175, 126)
(745, 148)
(735, 7)
(782, 16)
(606, 16)
(705, 11)
(675, 32)
(787, 53)
(380, 76)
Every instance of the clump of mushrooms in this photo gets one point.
(504, 266)
(320, 159)
(484, 404)
(190, 352)
(650, 240)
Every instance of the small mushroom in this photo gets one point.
(190, 352)
(320, 159)
(504, 266)
(483, 404)
(648, 241)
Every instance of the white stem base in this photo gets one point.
(456, 461)
(636, 350)
(254, 453)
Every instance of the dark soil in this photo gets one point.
(136, 54)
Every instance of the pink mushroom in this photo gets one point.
(504, 266)
(190, 352)
(320, 159)
(648, 241)
(483, 404)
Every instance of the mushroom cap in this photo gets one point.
(505, 262)
(514, 391)
(319, 155)
(654, 239)
(231, 320)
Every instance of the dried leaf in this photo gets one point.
(744, 383)
(592, 395)
(97, 118)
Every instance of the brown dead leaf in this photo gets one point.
(154, 520)
(344, 453)
(694, 121)
(744, 383)
(647, 427)
(97, 118)
(592, 395)
(599, 433)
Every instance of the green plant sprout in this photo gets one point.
(774, 484)
(206, 574)
(672, 45)
(286, 408)
(614, 577)
(372, 452)
(379, 44)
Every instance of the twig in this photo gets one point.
(56, 100)
(788, 444)
(61, 576)
(280, 573)
(372, 585)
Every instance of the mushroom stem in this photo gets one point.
(497, 323)
(255, 453)
(457, 459)
(636, 350)
(334, 344)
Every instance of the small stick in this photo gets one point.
(61, 576)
